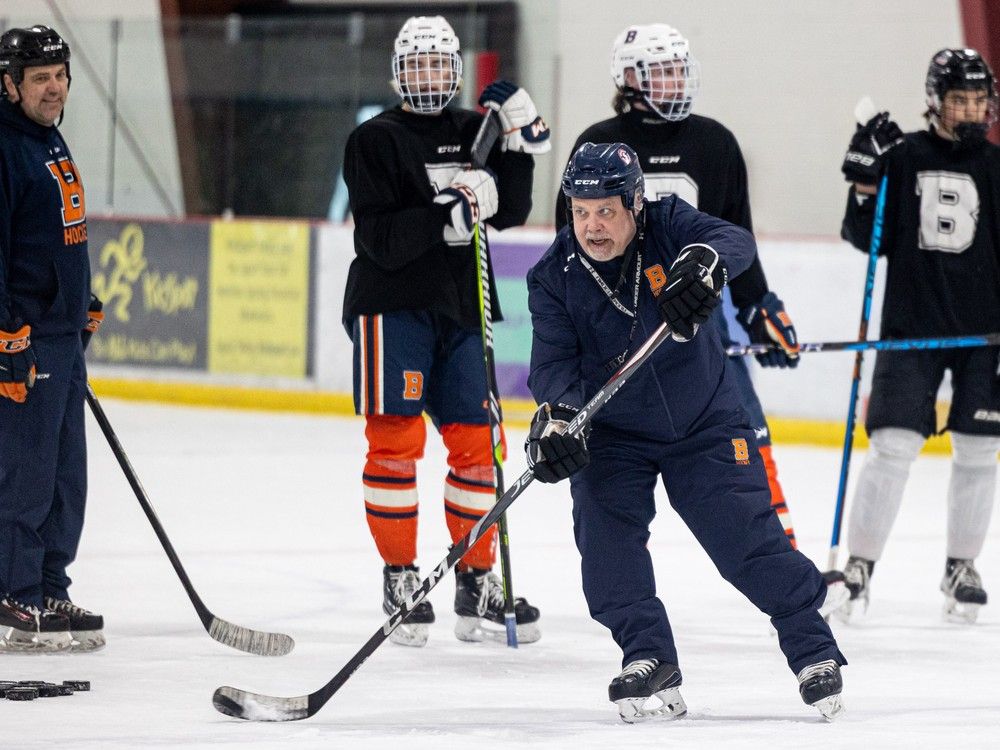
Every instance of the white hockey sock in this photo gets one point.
(880, 489)
(971, 493)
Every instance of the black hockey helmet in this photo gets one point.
(24, 48)
(961, 70)
(598, 170)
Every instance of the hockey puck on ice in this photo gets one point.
(21, 693)
(51, 690)
(77, 686)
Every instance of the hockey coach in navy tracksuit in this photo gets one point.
(46, 314)
(611, 277)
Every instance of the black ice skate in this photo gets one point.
(647, 689)
(857, 577)
(820, 685)
(86, 628)
(963, 591)
(479, 606)
(27, 629)
(398, 584)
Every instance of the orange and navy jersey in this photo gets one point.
(44, 266)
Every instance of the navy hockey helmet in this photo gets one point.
(25, 48)
(598, 170)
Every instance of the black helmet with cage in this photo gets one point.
(961, 70)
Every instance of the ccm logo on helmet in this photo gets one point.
(586, 182)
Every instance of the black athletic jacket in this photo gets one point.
(394, 165)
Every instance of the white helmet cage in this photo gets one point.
(669, 77)
(426, 65)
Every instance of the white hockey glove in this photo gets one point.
(472, 197)
(524, 131)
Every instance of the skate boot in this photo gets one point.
(857, 577)
(820, 685)
(398, 584)
(86, 628)
(647, 689)
(963, 591)
(479, 606)
(27, 629)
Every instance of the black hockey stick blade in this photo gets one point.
(259, 642)
(242, 704)
(489, 131)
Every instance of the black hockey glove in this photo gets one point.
(693, 290)
(767, 323)
(553, 454)
(95, 316)
(17, 363)
(865, 154)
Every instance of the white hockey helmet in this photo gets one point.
(426, 65)
(668, 76)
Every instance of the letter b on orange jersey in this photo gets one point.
(413, 385)
(656, 277)
(74, 209)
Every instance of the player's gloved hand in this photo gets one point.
(95, 316)
(553, 454)
(865, 154)
(693, 290)
(523, 129)
(471, 197)
(17, 364)
(767, 323)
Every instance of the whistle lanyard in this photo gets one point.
(612, 295)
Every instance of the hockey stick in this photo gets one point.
(237, 636)
(487, 135)
(882, 345)
(257, 707)
(852, 407)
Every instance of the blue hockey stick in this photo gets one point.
(880, 345)
(852, 408)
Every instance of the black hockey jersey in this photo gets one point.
(940, 235)
(394, 165)
(697, 159)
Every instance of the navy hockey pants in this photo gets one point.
(717, 485)
(43, 474)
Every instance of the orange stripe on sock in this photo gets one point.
(778, 501)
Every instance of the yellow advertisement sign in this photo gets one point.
(258, 311)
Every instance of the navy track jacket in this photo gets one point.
(578, 334)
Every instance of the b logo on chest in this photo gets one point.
(74, 208)
(656, 277)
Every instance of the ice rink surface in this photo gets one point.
(265, 511)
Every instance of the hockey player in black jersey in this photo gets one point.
(940, 238)
(699, 160)
(44, 326)
(412, 308)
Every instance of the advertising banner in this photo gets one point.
(152, 277)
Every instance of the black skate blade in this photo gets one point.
(241, 704)
(251, 641)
